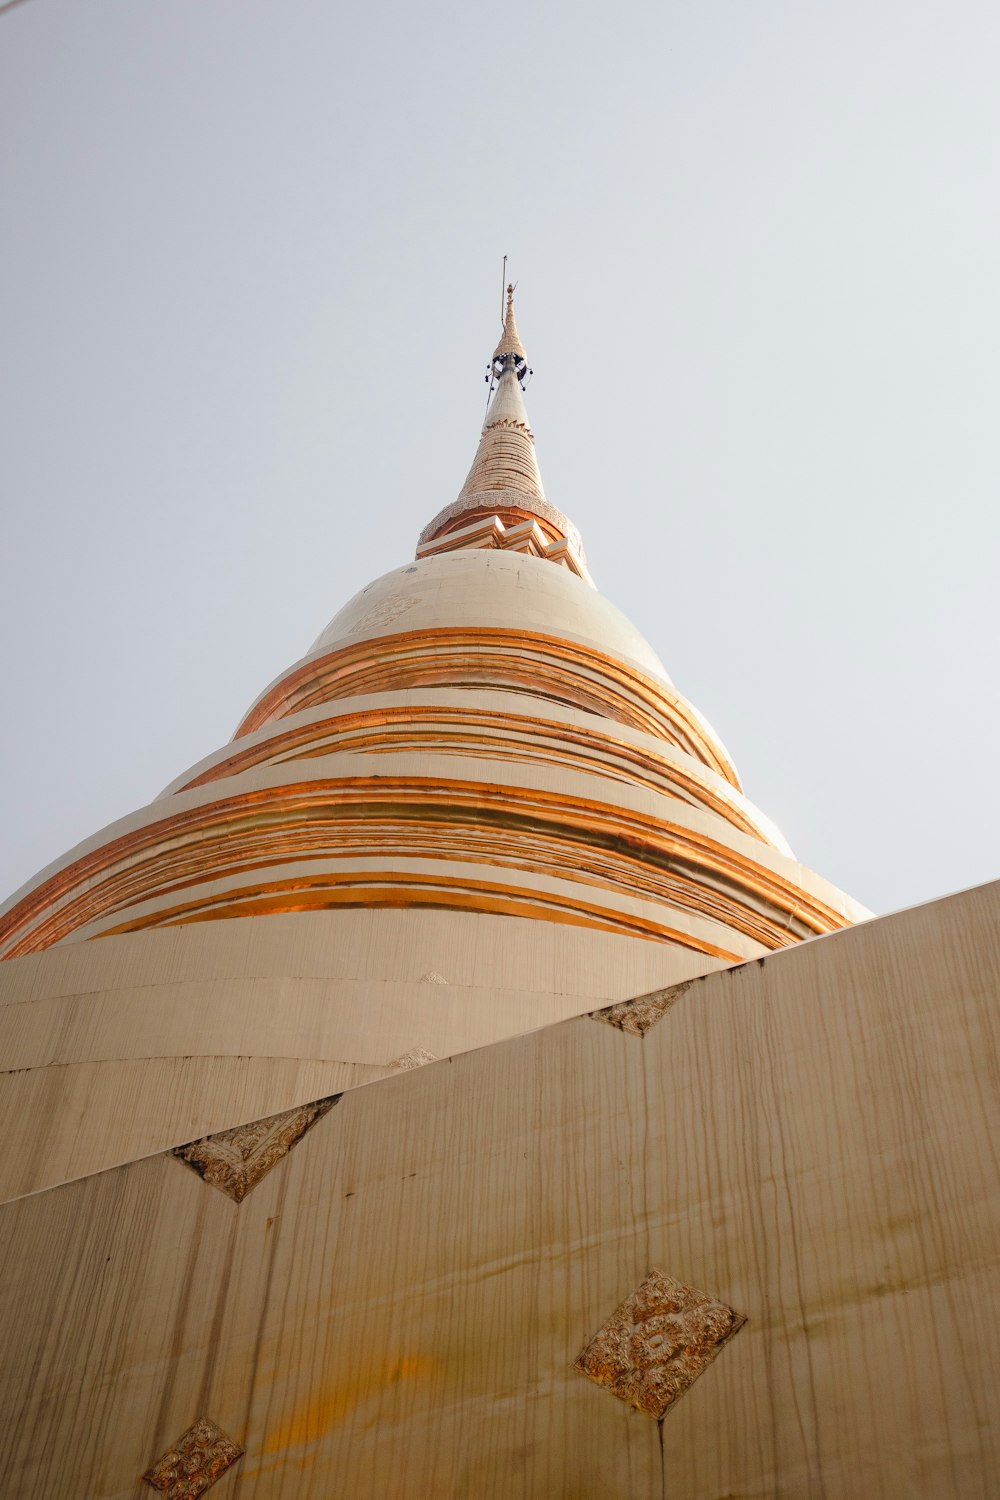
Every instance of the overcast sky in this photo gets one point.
(251, 256)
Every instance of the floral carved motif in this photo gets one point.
(235, 1160)
(383, 613)
(193, 1465)
(658, 1342)
(638, 1015)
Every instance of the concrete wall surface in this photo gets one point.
(396, 1305)
(114, 1049)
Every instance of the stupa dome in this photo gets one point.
(478, 731)
(495, 589)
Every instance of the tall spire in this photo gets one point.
(505, 461)
(504, 485)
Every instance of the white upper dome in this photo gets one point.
(478, 588)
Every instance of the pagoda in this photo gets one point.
(437, 1090)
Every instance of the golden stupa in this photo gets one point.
(738, 1238)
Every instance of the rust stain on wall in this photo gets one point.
(326, 1407)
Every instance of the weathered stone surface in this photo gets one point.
(190, 1468)
(638, 1015)
(236, 1160)
(658, 1342)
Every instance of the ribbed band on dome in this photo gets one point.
(505, 458)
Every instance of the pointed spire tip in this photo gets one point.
(510, 345)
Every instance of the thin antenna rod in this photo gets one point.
(503, 289)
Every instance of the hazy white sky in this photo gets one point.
(251, 274)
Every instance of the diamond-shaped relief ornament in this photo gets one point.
(195, 1462)
(235, 1160)
(638, 1015)
(417, 1057)
(658, 1342)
